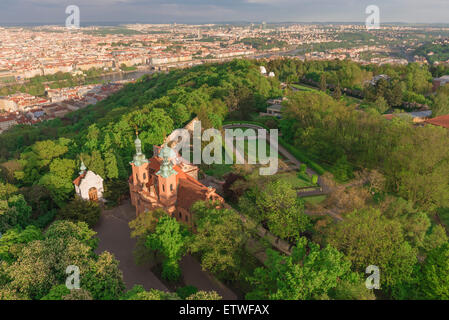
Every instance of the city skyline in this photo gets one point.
(201, 11)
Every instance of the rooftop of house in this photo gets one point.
(275, 107)
(414, 114)
(77, 181)
(443, 78)
(442, 121)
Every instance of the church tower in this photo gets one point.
(166, 177)
(139, 166)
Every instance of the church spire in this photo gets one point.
(82, 168)
(139, 158)
(166, 169)
(138, 144)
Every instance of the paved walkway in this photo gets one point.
(115, 236)
(203, 280)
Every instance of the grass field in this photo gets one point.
(295, 181)
(314, 199)
(303, 88)
(217, 170)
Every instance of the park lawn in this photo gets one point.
(351, 100)
(295, 181)
(217, 170)
(303, 88)
(314, 199)
(246, 150)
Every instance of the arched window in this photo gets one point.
(137, 178)
(144, 176)
(171, 187)
(163, 188)
(180, 215)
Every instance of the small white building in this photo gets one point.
(88, 185)
(271, 74)
(263, 70)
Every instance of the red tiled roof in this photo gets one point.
(388, 116)
(190, 190)
(189, 193)
(442, 121)
(77, 181)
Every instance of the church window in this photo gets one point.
(144, 176)
(163, 188)
(171, 187)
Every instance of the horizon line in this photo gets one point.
(99, 23)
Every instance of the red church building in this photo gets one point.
(166, 181)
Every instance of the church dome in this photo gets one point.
(167, 152)
(138, 142)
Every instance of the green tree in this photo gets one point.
(81, 210)
(278, 205)
(14, 212)
(78, 294)
(323, 83)
(417, 169)
(59, 180)
(14, 240)
(418, 78)
(441, 102)
(367, 237)
(115, 191)
(41, 264)
(111, 167)
(354, 289)
(381, 105)
(435, 238)
(205, 295)
(186, 291)
(434, 275)
(220, 239)
(169, 238)
(95, 163)
(104, 280)
(337, 92)
(141, 227)
(57, 293)
(309, 273)
(139, 293)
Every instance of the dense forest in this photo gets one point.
(391, 219)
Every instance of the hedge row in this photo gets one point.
(246, 122)
(302, 157)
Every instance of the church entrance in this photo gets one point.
(93, 194)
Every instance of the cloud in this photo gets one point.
(156, 11)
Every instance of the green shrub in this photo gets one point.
(81, 210)
(186, 291)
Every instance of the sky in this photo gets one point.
(216, 11)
